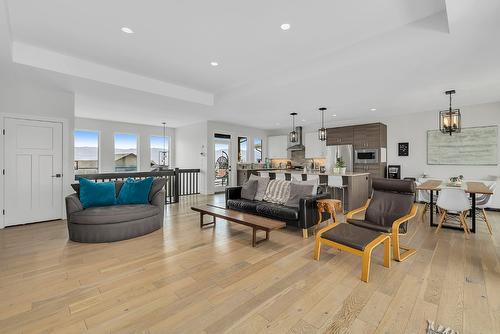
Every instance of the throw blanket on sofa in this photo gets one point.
(277, 191)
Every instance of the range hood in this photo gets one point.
(297, 146)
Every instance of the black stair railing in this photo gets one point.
(178, 182)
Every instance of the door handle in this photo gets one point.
(57, 175)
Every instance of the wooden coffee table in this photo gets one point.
(253, 221)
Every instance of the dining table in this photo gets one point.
(472, 188)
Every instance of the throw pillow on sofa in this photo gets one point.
(314, 183)
(262, 183)
(249, 189)
(96, 193)
(135, 191)
(298, 191)
(277, 191)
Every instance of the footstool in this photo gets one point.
(355, 240)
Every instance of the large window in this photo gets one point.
(257, 150)
(242, 149)
(125, 152)
(160, 151)
(86, 152)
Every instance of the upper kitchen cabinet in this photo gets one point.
(315, 148)
(277, 147)
(339, 136)
(370, 135)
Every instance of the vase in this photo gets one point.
(342, 170)
(336, 170)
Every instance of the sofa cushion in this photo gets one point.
(114, 214)
(277, 211)
(249, 189)
(135, 191)
(95, 194)
(242, 205)
(277, 191)
(298, 191)
(262, 183)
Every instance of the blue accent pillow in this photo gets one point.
(135, 191)
(97, 193)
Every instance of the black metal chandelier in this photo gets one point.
(449, 120)
(322, 130)
(292, 136)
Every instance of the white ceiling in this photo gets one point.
(395, 55)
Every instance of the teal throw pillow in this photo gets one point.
(97, 193)
(135, 191)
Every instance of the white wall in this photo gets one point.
(235, 131)
(190, 142)
(26, 99)
(107, 131)
(413, 128)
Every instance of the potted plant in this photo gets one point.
(456, 180)
(340, 166)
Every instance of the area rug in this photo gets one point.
(438, 329)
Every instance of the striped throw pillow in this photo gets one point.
(277, 191)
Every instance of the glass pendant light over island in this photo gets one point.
(322, 130)
(449, 120)
(292, 136)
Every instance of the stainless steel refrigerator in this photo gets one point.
(343, 151)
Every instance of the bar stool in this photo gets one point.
(296, 176)
(335, 181)
(330, 206)
(280, 176)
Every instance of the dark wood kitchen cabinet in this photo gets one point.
(339, 136)
(370, 135)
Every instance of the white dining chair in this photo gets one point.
(264, 174)
(482, 202)
(280, 176)
(453, 200)
(335, 181)
(296, 177)
(424, 196)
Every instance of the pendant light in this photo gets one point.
(292, 136)
(322, 130)
(449, 120)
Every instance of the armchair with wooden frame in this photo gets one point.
(388, 211)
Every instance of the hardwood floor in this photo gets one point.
(185, 280)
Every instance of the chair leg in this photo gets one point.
(486, 221)
(305, 234)
(461, 217)
(317, 249)
(365, 271)
(424, 211)
(387, 252)
(441, 220)
(396, 249)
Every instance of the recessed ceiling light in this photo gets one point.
(277, 123)
(303, 120)
(373, 109)
(214, 63)
(334, 115)
(127, 30)
(285, 26)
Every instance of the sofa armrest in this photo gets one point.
(73, 205)
(308, 211)
(159, 201)
(233, 193)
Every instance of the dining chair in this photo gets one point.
(425, 197)
(296, 177)
(335, 181)
(264, 174)
(453, 200)
(482, 202)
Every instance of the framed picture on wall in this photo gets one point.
(403, 149)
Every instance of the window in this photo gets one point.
(86, 152)
(160, 150)
(257, 150)
(242, 149)
(125, 152)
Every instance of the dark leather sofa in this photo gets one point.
(304, 216)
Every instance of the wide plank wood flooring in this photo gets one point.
(185, 280)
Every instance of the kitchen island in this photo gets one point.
(354, 188)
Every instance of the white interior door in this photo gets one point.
(33, 171)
